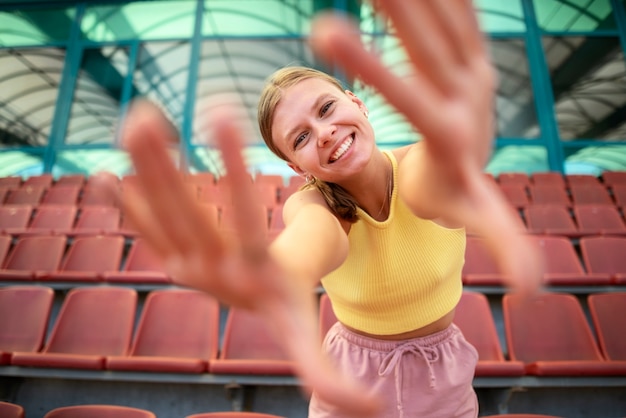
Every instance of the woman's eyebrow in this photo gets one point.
(316, 104)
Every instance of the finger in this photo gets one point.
(335, 40)
(173, 209)
(247, 206)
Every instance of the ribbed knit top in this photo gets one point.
(400, 274)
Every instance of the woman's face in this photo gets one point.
(323, 131)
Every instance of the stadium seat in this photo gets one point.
(51, 219)
(94, 196)
(25, 195)
(5, 245)
(551, 335)
(516, 194)
(233, 415)
(480, 269)
(141, 266)
(513, 178)
(88, 258)
(599, 220)
(99, 411)
(563, 266)
(585, 179)
(4, 191)
(178, 332)
(200, 178)
(549, 194)
(93, 322)
(248, 347)
(24, 315)
(590, 194)
(11, 410)
(608, 311)
(268, 193)
(40, 180)
(33, 257)
(227, 218)
(71, 180)
(12, 182)
(61, 195)
(550, 220)
(611, 178)
(95, 219)
(605, 255)
(274, 179)
(473, 316)
(619, 195)
(14, 219)
(548, 178)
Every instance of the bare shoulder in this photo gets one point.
(401, 152)
(310, 198)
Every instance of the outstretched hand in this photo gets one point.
(236, 268)
(449, 98)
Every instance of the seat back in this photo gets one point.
(97, 253)
(36, 253)
(607, 312)
(94, 321)
(596, 219)
(53, 218)
(61, 195)
(549, 194)
(178, 323)
(247, 336)
(559, 255)
(549, 327)
(590, 194)
(98, 219)
(478, 259)
(5, 245)
(24, 315)
(25, 195)
(604, 254)
(546, 218)
(142, 258)
(15, 216)
(473, 316)
(99, 411)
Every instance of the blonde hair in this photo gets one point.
(338, 199)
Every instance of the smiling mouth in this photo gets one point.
(342, 149)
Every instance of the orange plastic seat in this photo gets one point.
(233, 415)
(550, 334)
(550, 220)
(99, 411)
(595, 219)
(14, 219)
(607, 312)
(248, 347)
(474, 318)
(25, 195)
(141, 266)
(89, 258)
(33, 257)
(605, 255)
(93, 323)
(563, 266)
(11, 410)
(178, 332)
(24, 315)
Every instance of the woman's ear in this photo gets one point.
(297, 169)
(355, 99)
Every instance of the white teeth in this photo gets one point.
(342, 149)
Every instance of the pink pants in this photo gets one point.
(426, 377)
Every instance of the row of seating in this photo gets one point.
(9, 410)
(114, 259)
(178, 331)
(608, 178)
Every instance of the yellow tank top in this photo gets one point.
(400, 274)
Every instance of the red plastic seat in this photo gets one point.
(599, 220)
(563, 265)
(248, 347)
(95, 196)
(88, 258)
(178, 332)
(200, 178)
(607, 312)
(585, 179)
(12, 182)
(141, 266)
(619, 195)
(24, 315)
(513, 178)
(33, 257)
(25, 195)
(590, 194)
(480, 269)
(550, 220)
(61, 195)
(93, 323)
(473, 316)
(605, 255)
(11, 410)
(516, 194)
(14, 219)
(551, 335)
(43, 180)
(5, 245)
(549, 194)
(4, 191)
(548, 178)
(274, 179)
(611, 178)
(227, 218)
(99, 411)
(233, 415)
(94, 219)
(71, 180)
(51, 219)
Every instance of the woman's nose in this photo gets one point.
(325, 135)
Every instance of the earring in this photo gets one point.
(309, 178)
(366, 113)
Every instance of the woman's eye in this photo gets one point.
(325, 108)
(299, 140)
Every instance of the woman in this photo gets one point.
(384, 232)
